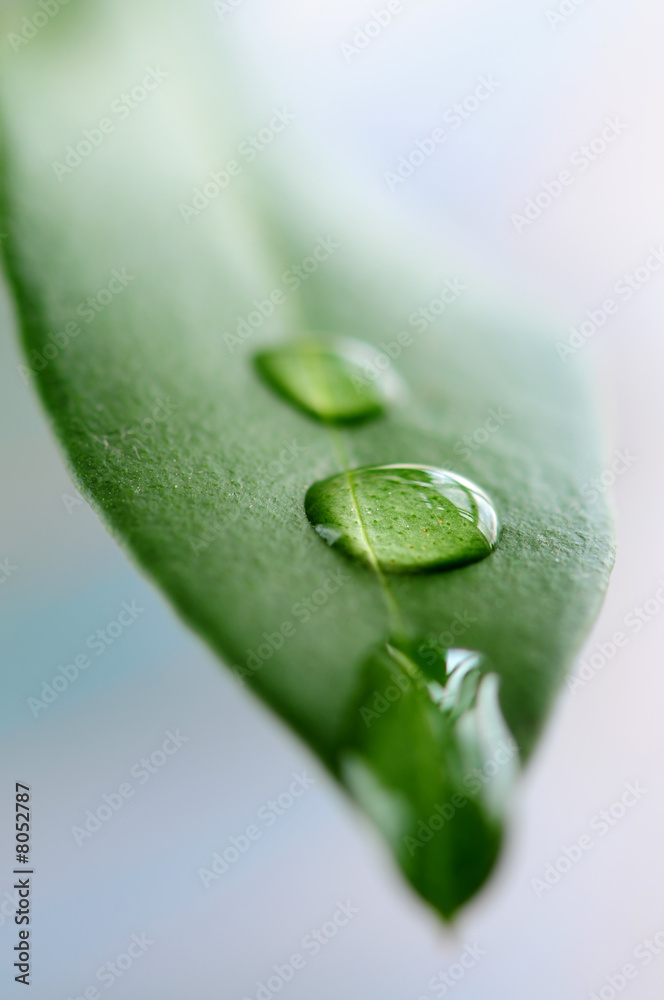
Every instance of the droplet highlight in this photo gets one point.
(404, 518)
(433, 762)
(332, 379)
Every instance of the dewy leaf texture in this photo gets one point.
(136, 256)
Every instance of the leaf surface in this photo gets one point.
(150, 259)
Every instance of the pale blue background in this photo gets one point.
(139, 872)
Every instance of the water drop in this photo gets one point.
(434, 773)
(423, 518)
(334, 379)
(465, 669)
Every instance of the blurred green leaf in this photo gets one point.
(151, 255)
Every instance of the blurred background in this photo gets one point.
(559, 71)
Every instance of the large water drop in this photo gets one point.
(404, 518)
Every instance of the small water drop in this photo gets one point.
(405, 534)
(330, 534)
(334, 379)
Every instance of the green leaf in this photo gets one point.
(151, 257)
